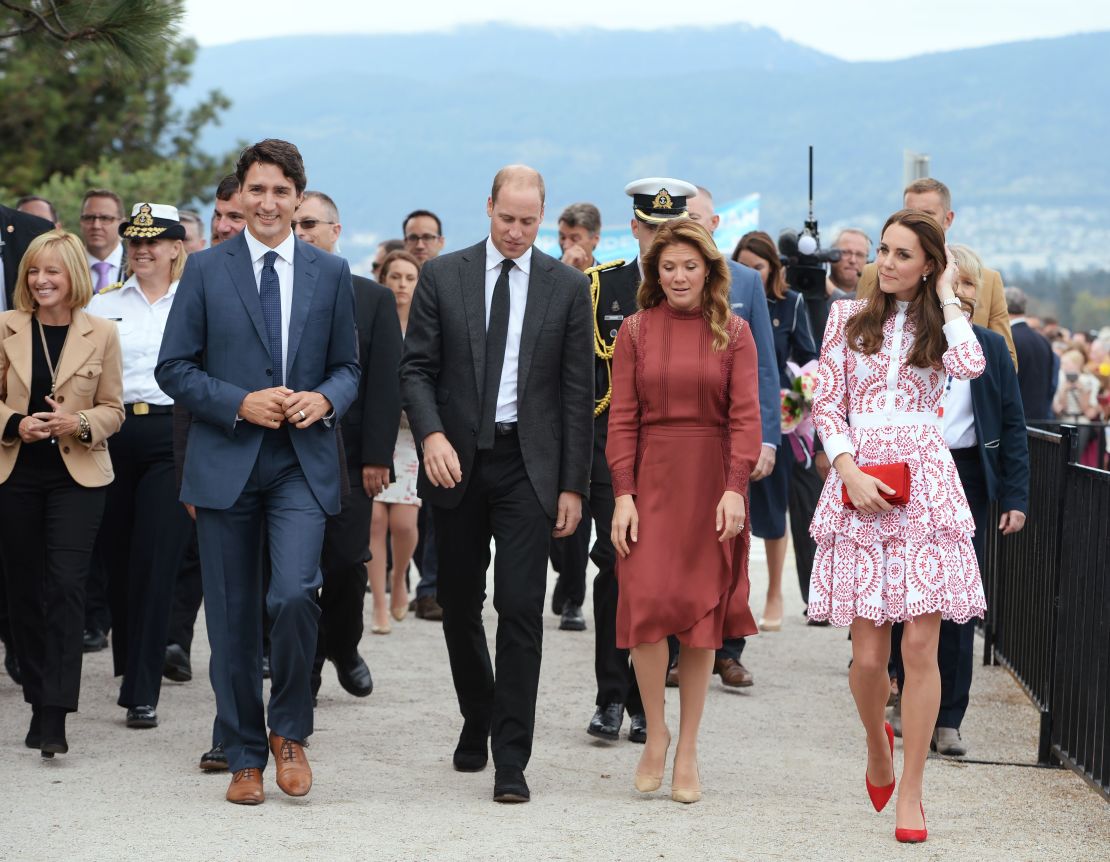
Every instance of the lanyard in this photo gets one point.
(46, 350)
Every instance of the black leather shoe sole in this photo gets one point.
(510, 788)
(572, 624)
(511, 797)
(637, 735)
(50, 747)
(604, 731)
(141, 720)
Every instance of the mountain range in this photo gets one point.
(390, 123)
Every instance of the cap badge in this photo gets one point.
(662, 201)
(616, 305)
(144, 218)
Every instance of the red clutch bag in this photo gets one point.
(896, 476)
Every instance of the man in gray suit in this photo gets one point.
(497, 381)
(260, 347)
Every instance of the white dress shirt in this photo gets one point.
(518, 298)
(141, 325)
(115, 270)
(959, 416)
(283, 265)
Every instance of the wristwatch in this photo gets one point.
(952, 300)
(84, 430)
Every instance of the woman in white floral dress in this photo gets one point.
(884, 365)
(396, 508)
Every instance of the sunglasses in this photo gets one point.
(309, 223)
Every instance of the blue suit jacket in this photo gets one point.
(1000, 425)
(214, 352)
(750, 302)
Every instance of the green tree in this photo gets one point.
(162, 182)
(1091, 312)
(71, 103)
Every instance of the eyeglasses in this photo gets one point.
(89, 218)
(417, 238)
(858, 255)
(309, 223)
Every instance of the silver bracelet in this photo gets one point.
(952, 300)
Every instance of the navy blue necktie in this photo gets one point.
(269, 294)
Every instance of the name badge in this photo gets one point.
(614, 317)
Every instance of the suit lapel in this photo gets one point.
(304, 287)
(17, 347)
(535, 310)
(241, 270)
(77, 349)
(472, 277)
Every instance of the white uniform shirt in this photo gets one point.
(959, 417)
(518, 298)
(141, 325)
(283, 265)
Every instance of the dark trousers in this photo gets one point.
(426, 556)
(98, 607)
(48, 526)
(277, 497)
(501, 504)
(956, 650)
(140, 546)
(188, 593)
(343, 566)
(569, 557)
(616, 680)
(805, 489)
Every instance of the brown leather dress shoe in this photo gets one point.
(672, 676)
(733, 673)
(246, 787)
(427, 608)
(294, 775)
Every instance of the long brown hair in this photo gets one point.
(864, 331)
(761, 245)
(715, 307)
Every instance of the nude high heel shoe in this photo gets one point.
(650, 783)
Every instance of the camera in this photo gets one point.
(1071, 377)
(802, 254)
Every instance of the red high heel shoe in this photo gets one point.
(913, 836)
(880, 796)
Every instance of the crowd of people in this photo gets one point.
(275, 437)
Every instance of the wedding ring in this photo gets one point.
(301, 414)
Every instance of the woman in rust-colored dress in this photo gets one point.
(683, 438)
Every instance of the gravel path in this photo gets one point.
(781, 767)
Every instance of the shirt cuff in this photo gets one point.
(774, 446)
(958, 332)
(837, 445)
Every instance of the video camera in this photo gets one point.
(805, 260)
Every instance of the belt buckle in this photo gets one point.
(140, 408)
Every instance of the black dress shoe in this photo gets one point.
(214, 760)
(11, 665)
(571, 619)
(471, 754)
(176, 665)
(607, 720)
(265, 667)
(34, 733)
(94, 640)
(509, 785)
(53, 725)
(637, 728)
(354, 675)
(142, 717)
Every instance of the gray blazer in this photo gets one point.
(443, 369)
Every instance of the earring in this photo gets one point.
(924, 279)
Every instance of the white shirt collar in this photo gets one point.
(494, 258)
(132, 283)
(258, 248)
(115, 258)
(1017, 318)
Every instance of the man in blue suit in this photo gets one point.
(260, 347)
(749, 302)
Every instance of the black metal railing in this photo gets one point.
(1048, 598)
(1081, 687)
(1092, 442)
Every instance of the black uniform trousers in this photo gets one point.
(343, 566)
(48, 526)
(188, 593)
(499, 503)
(616, 680)
(569, 556)
(141, 546)
(956, 650)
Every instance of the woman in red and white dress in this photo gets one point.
(883, 369)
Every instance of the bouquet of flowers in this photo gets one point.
(797, 402)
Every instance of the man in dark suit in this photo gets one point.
(17, 229)
(497, 383)
(252, 315)
(369, 435)
(1038, 365)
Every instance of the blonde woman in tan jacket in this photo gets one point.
(61, 382)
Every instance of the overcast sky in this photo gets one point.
(849, 29)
